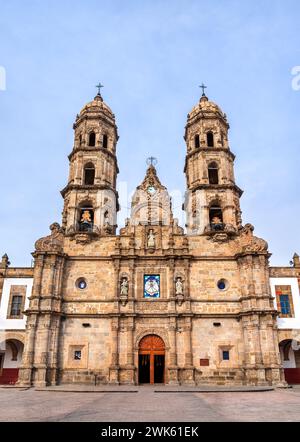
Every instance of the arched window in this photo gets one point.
(80, 140)
(216, 217)
(105, 141)
(197, 141)
(86, 218)
(92, 139)
(89, 174)
(210, 139)
(213, 173)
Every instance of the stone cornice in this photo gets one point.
(217, 187)
(94, 149)
(213, 150)
(83, 187)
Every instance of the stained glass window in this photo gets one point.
(285, 304)
(151, 286)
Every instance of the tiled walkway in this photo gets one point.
(149, 403)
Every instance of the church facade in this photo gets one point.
(154, 303)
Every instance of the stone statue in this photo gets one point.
(151, 239)
(124, 287)
(179, 286)
(106, 219)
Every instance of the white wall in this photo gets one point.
(291, 363)
(288, 323)
(8, 362)
(13, 324)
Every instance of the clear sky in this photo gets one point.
(151, 56)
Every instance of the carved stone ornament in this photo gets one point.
(250, 243)
(53, 242)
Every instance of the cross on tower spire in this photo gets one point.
(151, 161)
(203, 87)
(99, 86)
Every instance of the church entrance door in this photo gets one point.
(151, 360)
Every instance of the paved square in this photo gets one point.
(142, 404)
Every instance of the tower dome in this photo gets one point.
(206, 108)
(94, 108)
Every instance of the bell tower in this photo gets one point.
(90, 197)
(212, 200)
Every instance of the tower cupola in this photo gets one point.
(91, 200)
(212, 199)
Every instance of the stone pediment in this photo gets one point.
(151, 179)
(151, 202)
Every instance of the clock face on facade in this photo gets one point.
(151, 190)
(152, 286)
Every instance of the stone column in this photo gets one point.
(173, 367)
(130, 368)
(188, 377)
(25, 373)
(41, 351)
(114, 367)
(251, 298)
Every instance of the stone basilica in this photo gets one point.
(154, 303)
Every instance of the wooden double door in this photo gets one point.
(151, 360)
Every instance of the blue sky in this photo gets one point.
(151, 56)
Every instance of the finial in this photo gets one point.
(203, 87)
(151, 161)
(4, 262)
(99, 86)
(296, 260)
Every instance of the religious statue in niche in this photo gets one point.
(107, 225)
(179, 286)
(151, 239)
(124, 287)
(86, 217)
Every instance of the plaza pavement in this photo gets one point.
(148, 403)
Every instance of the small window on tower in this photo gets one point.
(89, 174)
(197, 141)
(225, 355)
(213, 173)
(105, 141)
(86, 219)
(92, 139)
(77, 355)
(216, 218)
(210, 139)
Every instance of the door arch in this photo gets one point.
(11, 351)
(151, 360)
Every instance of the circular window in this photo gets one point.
(81, 283)
(222, 284)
